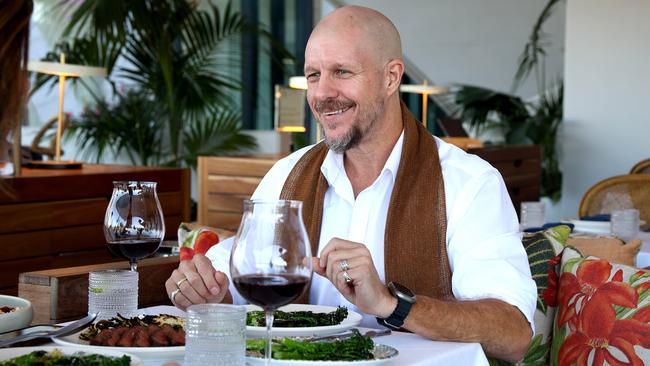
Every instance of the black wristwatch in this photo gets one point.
(405, 300)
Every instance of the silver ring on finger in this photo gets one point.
(179, 283)
(172, 296)
(344, 265)
(347, 277)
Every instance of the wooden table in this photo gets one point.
(59, 295)
(54, 217)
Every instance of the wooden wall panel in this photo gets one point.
(54, 218)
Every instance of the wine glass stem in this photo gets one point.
(269, 325)
(134, 265)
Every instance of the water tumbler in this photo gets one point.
(215, 334)
(625, 224)
(111, 292)
(531, 214)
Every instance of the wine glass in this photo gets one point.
(270, 261)
(133, 225)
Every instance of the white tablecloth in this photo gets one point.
(413, 349)
(643, 258)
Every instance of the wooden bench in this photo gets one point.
(54, 218)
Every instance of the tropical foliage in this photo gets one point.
(523, 122)
(170, 53)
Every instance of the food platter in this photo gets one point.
(9, 353)
(353, 319)
(382, 353)
(146, 353)
(165, 353)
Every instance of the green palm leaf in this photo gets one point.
(218, 135)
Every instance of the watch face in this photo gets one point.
(401, 290)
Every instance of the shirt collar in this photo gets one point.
(333, 168)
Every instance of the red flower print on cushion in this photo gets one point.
(550, 293)
(591, 277)
(599, 331)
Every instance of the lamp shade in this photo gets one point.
(67, 70)
(298, 82)
(63, 71)
(289, 109)
(423, 89)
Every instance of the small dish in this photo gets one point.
(19, 318)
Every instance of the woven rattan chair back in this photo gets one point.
(618, 193)
(641, 167)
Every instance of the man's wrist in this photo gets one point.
(389, 305)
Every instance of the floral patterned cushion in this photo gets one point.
(603, 313)
(543, 249)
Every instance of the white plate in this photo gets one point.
(383, 352)
(173, 353)
(8, 353)
(590, 227)
(353, 320)
(146, 353)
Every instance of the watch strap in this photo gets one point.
(396, 319)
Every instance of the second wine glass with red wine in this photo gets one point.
(270, 261)
(134, 225)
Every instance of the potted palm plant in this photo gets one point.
(523, 122)
(178, 102)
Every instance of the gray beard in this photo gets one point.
(355, 135)
(345, 142)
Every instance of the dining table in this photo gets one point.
(413, 349)
(643, 258)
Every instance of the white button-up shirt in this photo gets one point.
(484, 246)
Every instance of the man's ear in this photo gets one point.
(394, 72)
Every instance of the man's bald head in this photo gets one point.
(353, 65)
(373, 30)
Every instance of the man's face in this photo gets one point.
(345, 89)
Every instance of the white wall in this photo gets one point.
(471, 41)
(607, 78)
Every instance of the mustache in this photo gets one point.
(331, 104)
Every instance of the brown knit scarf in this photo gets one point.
(415, 248)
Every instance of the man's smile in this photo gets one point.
(338, 111)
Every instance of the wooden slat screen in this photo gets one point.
(224, 183)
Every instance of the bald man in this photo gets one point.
(411, 232)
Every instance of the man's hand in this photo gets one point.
(197, 282)
(366, 290)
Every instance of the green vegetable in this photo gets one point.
(298, 319)
(355, 348)
(58, 358)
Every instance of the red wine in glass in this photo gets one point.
(134, 249)
(270, 261)
(134, 225)
(271, 291)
